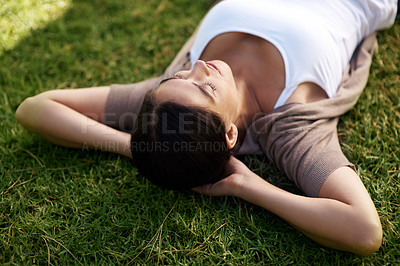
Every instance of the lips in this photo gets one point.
(213, 66)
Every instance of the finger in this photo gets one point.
(197, 189)
(202, 189)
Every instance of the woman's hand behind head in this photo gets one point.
(236, 173)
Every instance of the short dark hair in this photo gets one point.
(179, 147)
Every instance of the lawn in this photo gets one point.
(65, 206)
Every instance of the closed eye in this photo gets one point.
(205, 91)
(179, 76)
(211, 85)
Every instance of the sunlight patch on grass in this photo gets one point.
(19, 17)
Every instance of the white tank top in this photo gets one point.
(315, 38)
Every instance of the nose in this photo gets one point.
(200, 69)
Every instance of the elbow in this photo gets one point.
(368, 238)
(27, 113)
(23, 109)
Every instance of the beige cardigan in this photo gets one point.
(301, 139)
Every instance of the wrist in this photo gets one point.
(245, 183)
(237, 184)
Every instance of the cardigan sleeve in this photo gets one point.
(124, 103)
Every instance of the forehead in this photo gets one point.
(180, 91)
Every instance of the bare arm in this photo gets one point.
(343, 217)
(71, 118)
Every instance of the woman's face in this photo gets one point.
(208, 84)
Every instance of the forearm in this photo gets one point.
(67, 127)
(326, 221)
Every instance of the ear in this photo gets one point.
(231, 135)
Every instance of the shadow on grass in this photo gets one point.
(95, 203)
(99, 42)
(94, 43)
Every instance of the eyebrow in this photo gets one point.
(204, 91)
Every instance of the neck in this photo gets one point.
(248, 105)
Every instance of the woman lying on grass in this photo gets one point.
(259, 77)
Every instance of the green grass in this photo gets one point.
(62, 206)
